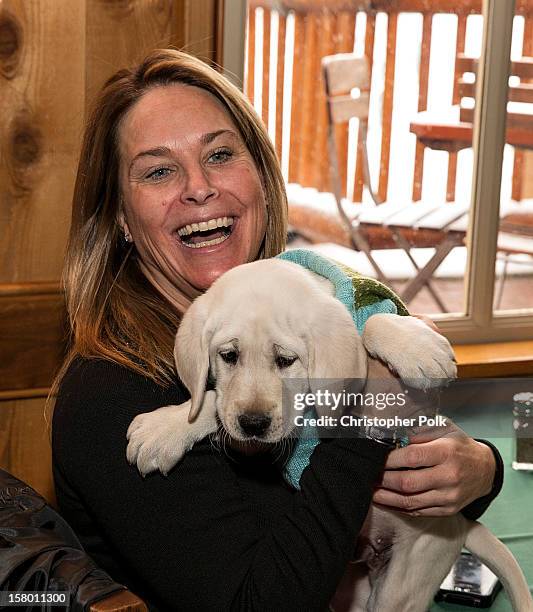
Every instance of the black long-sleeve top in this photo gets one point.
(221, 532)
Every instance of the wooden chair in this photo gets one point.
(439, 225)
(515, 246)
(401, 223)
(452, 130)
(520, 96)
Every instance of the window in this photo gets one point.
(416, 66)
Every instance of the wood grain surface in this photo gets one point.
(25, 448)
(54, 57)
(33, 333)
(41, 117)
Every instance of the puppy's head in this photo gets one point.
(258, 324)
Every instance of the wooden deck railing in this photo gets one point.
(323, 27)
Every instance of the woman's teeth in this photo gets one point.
(198, 245)
(191, 234)
(204, 226)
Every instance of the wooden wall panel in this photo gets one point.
(201, 27)
(54, 56)
(24, 444)
(120, 34)
(41, 115)
(42, 81)
(33, 336)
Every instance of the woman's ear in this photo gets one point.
(191, 353)
(121, 220)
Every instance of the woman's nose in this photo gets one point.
(198, 189)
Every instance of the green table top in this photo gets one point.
(510, 515)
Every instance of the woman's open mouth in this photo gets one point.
(206, 233)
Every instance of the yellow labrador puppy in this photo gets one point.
(272, 319)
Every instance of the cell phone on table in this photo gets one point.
(469, 583)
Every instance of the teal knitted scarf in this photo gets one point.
(363, 297)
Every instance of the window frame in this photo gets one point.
(479, 323)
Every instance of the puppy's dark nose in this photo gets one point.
(254, 424)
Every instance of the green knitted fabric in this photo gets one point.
(363, 297)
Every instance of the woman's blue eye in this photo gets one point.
(220, 156)
(158, 174)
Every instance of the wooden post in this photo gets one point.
(369, 54)
(422, 102)
(452, 157)
(344, 43)
(266, 64)
(282, 32)
(388, 96)
(320, 159)
(297, 100)
(309, 103)
(249, 84)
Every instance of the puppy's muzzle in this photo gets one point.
(254, 424)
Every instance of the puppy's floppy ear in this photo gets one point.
(335, 349)
(191, 352)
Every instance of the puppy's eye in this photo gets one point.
(230, 357)
(283, 361)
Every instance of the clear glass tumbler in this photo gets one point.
(523, 431)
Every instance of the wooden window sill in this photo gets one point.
(495, 359)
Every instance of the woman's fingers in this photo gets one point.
(411, 482)
(443, 502)
(426, 454)
(437, 478)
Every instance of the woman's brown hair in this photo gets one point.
(114, 312)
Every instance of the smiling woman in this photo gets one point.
(169, 146)
(177, 184)
(182, 181)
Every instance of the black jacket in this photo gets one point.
(39, 551)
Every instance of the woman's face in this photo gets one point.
(193, 200)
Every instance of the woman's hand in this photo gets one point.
(440, 472)
(437, 476)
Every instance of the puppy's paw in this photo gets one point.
(420, 356)
(159, 439)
